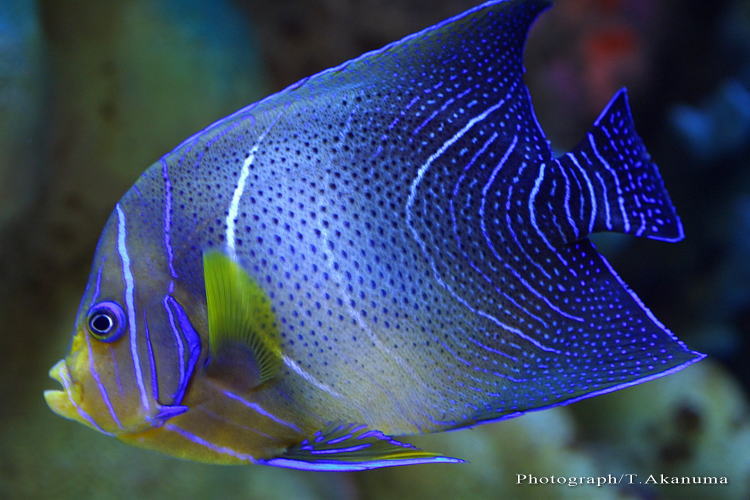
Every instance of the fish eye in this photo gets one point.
(106, 321)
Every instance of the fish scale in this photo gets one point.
(416, 257)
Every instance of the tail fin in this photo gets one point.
(621, 189)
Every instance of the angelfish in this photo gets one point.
(386, 248)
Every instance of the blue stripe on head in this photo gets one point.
(168, 219)
(188, 343)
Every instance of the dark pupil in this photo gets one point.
(101, 323)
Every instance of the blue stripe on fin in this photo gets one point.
(619, 343)
(334, 466)
(353, 447)
(621, 188)
(470, 61)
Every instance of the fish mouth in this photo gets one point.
(63, 402)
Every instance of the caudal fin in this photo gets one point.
(621, 189)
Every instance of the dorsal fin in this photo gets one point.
(240, 320)
(470, 61)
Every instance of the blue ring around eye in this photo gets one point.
(106, 321)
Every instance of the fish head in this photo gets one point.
(134, 348)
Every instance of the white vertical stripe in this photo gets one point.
(409, 216)
(129, 292)
(567, 197)
(592, 193)
(309, 378)
(238, 190)
(620, 199)
(234, 206)
(423, 169)
(532, 211)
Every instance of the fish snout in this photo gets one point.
(64, 402)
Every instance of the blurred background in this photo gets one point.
(92, 92)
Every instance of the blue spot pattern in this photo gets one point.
(425, 253)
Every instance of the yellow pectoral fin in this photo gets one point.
(240, 317)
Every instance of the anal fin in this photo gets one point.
(353, 447)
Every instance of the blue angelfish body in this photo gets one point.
(386, 248)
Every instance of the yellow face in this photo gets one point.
(134, 370)
(100, 389)
(97, 376)
(134, 348)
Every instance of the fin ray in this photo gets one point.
(240, 314)
(354, 447)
